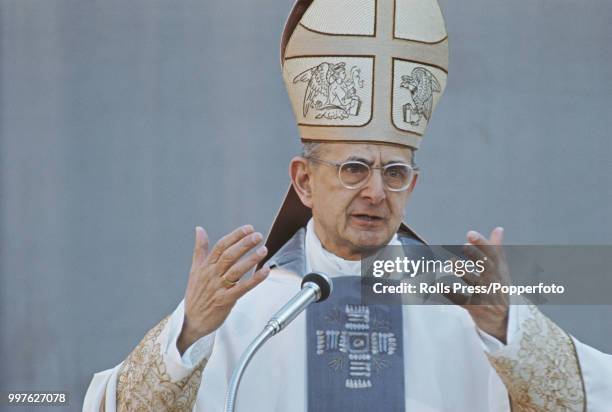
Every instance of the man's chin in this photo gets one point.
(370, 240)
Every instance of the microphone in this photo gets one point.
(316, 287)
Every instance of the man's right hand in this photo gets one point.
(214, 281)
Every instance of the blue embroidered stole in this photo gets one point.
(355, 353)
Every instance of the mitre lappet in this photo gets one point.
(367, 71)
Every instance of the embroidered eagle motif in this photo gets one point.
(422, 85)
(331, 91)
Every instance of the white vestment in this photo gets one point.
(448, 362)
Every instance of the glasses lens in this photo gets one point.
(354, 173)
(397, 176)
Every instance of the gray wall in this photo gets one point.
(125, 124)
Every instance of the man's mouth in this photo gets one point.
(367, 218)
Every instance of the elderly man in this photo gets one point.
(347, 197)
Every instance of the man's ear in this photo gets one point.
(413, 183)
(301, 179)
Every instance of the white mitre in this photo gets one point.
(365, 70)
(360, 71)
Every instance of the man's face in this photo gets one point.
(352, 221)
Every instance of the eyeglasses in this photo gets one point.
(354, 174)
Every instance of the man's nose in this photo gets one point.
(374, 190)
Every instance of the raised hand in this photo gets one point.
(489, 311)
(215, 280)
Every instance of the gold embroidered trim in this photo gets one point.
(544, 375)
(144, 384)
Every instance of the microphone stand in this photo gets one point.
(311, 292)
(246, 357)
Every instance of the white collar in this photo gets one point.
(320, 260)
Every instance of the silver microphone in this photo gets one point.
(316, 287)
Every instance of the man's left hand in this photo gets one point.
(489, 311)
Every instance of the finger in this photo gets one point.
(246, 285)
(481, 243)
(238, 269)
(473, 253)
(476, 255)
(232, 254)
(496, 239)
(227, 241)
(200, 248)
(472, 279)
(457, 298)
(497, 236)
(469, 277)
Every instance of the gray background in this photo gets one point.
(125, 124)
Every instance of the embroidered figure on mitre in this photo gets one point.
(422, 85)
(331, 91)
